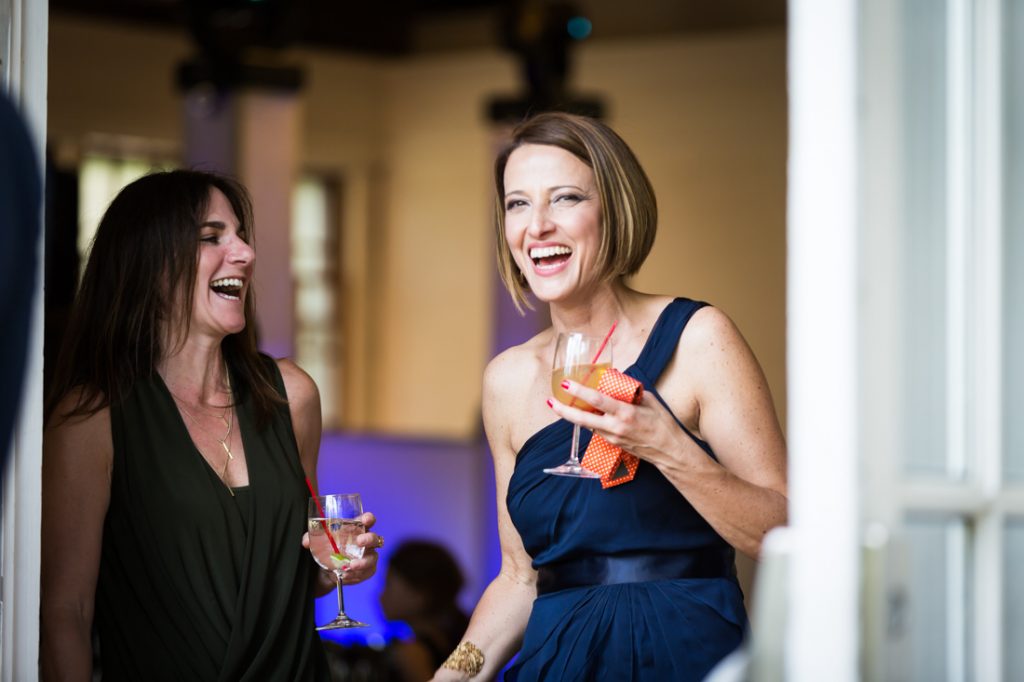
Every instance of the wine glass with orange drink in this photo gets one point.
(581, 358)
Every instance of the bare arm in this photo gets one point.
(743, 494)
(304, 406)
(499, 620)
(77, 465)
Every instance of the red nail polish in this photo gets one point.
(550, 404)
(565, 385)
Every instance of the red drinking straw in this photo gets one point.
(323, 521)
(604, 343)
(596, 356)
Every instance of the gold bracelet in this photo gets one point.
(467, 658)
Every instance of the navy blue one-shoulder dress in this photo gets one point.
(633, 584)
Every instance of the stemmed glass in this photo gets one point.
(583, 359)
(334, 524)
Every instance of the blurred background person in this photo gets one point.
(176, 457)
(421, 589)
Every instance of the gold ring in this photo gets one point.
(380, 541)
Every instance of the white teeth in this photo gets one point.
(226, 282)
(548, 251)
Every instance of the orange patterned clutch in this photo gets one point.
(615, 465)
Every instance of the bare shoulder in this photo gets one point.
(301, 388)
(79, 441)
(712, 362)
(509, 380)
(304, 406)
(500, 379)
(504, 370)
(710, 330)
(718, 364)
(511, 374)
(94, 428)
(712, 345)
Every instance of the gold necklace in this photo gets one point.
(222, 441)
(222, 416)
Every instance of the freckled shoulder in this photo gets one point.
(714, 359)
(710, 335)
(709, 342)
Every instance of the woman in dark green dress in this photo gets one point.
(175, 458)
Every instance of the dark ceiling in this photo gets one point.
(374, 27)
(402, 27)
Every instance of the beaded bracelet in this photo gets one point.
(467, 658)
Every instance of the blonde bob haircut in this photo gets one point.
(629, 211)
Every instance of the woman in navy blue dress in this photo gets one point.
(635, 581)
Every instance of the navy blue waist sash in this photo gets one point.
(708, 562)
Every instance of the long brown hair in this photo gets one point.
(137, 283)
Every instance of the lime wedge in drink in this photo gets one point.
(340, 561)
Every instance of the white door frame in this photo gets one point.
(822, 353)
(850, 489)
(23, 51)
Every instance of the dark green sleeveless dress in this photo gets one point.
(195, 584)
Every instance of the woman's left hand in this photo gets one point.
(646, 430)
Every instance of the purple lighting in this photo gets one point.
(439, 490)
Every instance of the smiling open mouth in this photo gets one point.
(227, 287)
(550, 256)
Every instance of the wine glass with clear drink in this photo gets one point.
(583, 359)
(334, 525)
